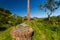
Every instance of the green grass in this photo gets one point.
(5, 35)
(42, 31)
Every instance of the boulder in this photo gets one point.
(21, 32)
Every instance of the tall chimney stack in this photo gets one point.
(28, 10)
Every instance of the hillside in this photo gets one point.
(43, 29)
(7, 19)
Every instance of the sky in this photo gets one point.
(19, 7)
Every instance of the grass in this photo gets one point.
(42, 31)
(5, 35)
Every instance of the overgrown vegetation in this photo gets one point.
(7, 19)
(43, 29)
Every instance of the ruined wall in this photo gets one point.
(21, 32)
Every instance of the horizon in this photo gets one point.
(19, 7)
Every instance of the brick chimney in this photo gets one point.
(28, 10)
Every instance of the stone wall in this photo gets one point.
(21, 32)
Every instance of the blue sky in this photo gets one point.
(19, 7)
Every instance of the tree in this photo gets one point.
(49, 5)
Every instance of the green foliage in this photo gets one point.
(44, 31)
(49, 6)
(5, 35)
(7, 19)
